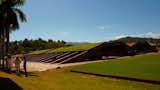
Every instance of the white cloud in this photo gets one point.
(153, 35)
(146, 35)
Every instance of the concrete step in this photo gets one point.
(65, 57)
(72, 59)
(52, 59)
(57, 57)
(36, 57)
(64, 54)
(48, 58)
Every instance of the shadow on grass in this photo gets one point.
(8, 84)
(119, 77)
(32, 74)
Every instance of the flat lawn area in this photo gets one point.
(63, 79)
(67, 48)
(142, 67)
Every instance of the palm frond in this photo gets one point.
(12, 3)
(12, 20)
(21, 15)
(18, 2)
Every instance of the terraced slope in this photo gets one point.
(72, 54)
(67, 48)
(85, 52)
(40, 51)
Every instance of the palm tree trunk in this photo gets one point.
(3, 49)
(7, 41)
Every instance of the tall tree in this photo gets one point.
(10, 14)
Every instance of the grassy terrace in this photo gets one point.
(143, 67)
(39, 51)
(68, 48)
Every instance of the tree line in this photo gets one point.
(25, 46)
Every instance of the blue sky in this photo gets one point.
(89, 20)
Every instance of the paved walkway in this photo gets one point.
(36, 66)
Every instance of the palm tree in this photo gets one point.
(10, 14)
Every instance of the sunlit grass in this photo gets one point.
(67, 48)
(75, 48)
(63, 79)
(143, 67)
(39, 51)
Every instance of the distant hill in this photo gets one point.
(137, 39)
(132, 39)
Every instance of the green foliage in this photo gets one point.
(26, 46)
(145, 67)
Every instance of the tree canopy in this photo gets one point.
(25, 46)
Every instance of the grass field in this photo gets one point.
(63, 79)
(67, 48)
(143, 67)
(146, 66)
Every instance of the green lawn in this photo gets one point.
(67, 48)
(146, 66)
(63, 79)
(39, 51)
(143, 67)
